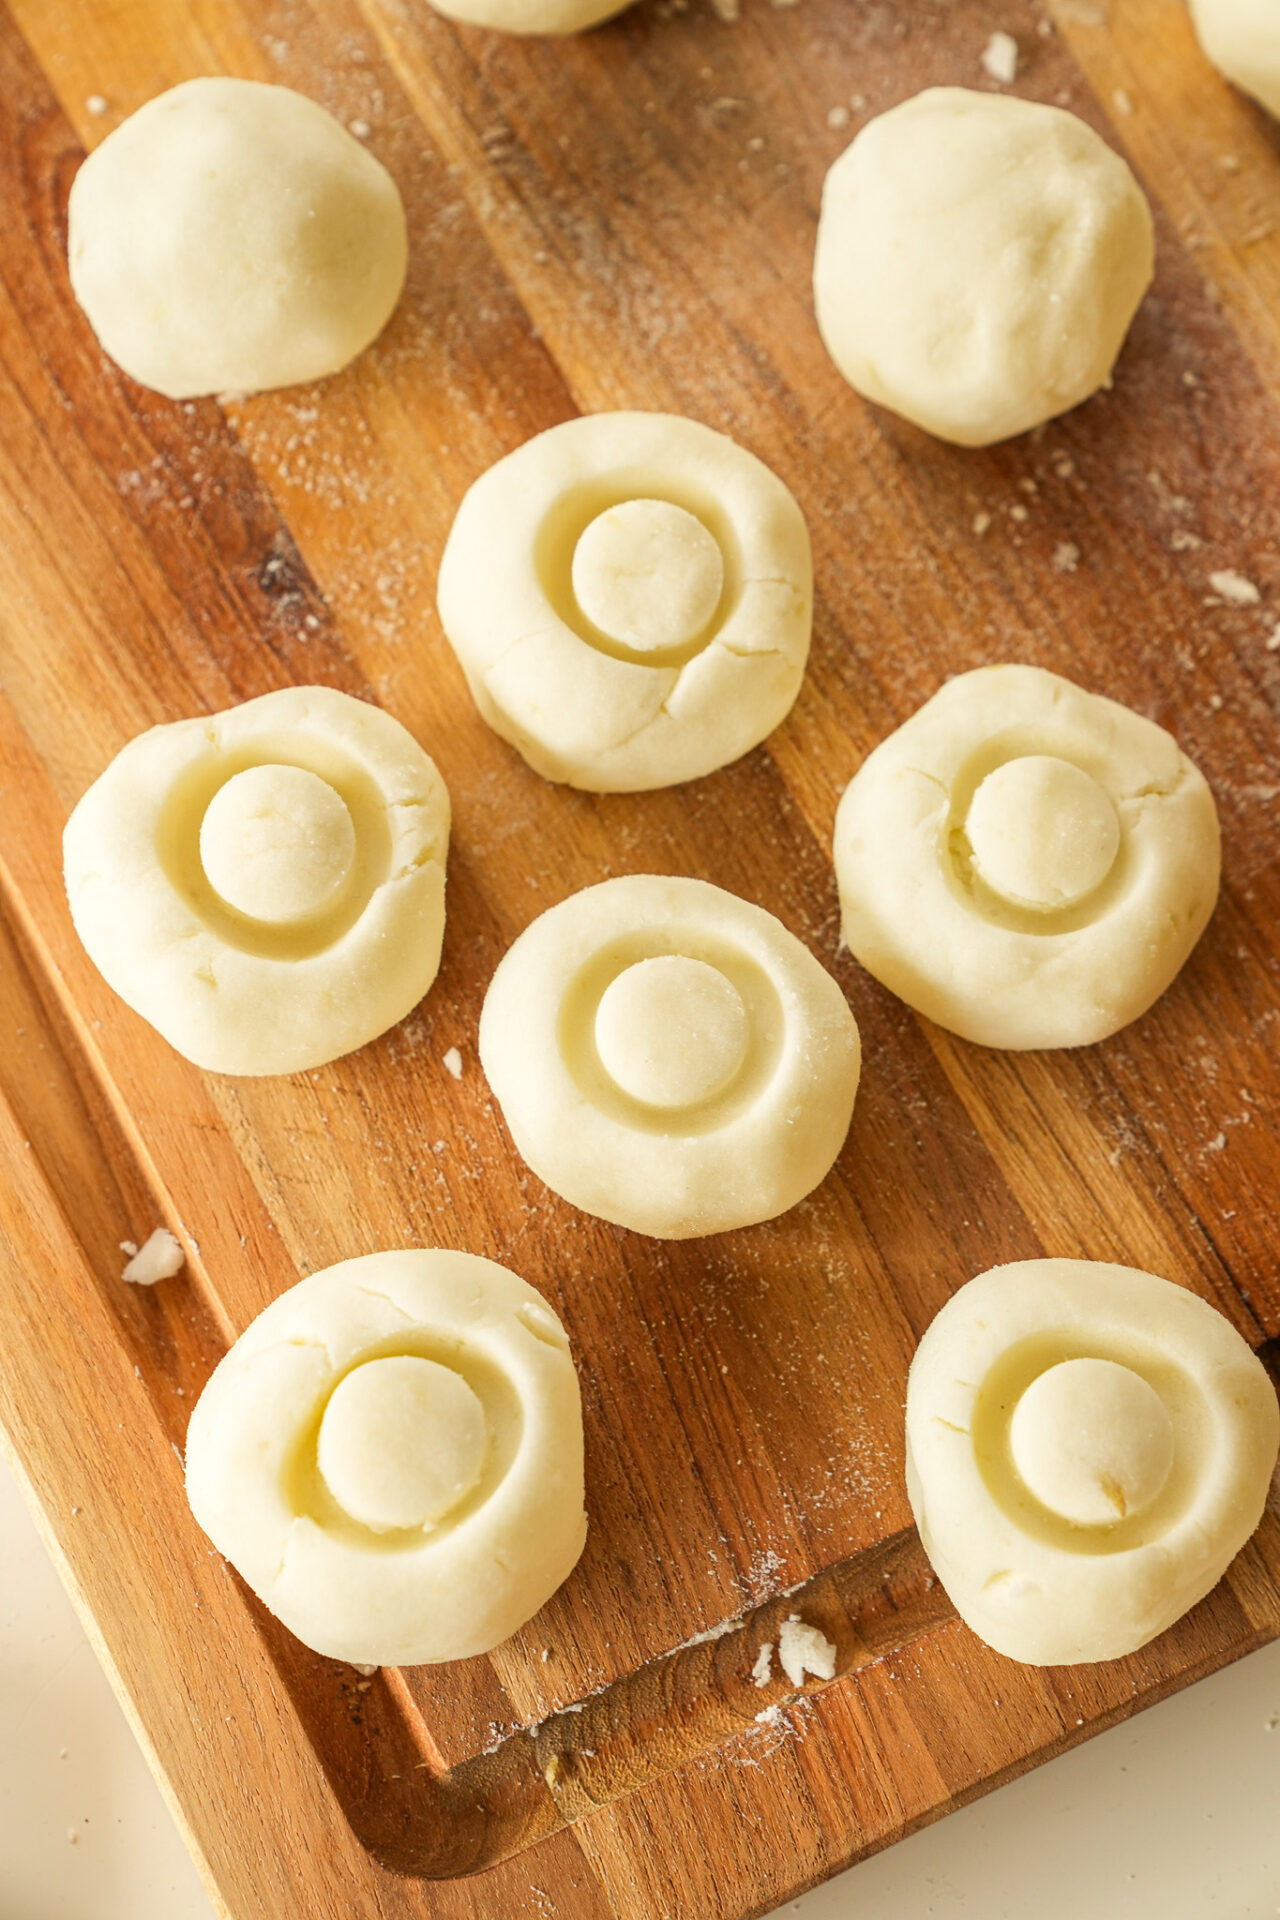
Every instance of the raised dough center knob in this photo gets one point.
(672, 1031)
(648, 574)
(1043, 832)
(277, 843)
(1092, 1440)
(402, 1441)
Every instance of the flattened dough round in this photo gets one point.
(1026, 863)
(531, 16)
(266, 885)
(391, 1456)
(979, 261)
(630, 596)
(669, 1057)
(231, 236)
(1088, 1448)
(1242, 38)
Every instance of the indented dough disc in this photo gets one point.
(391, 1456)
(531, 16)
(669, 1057)
(979, 261)
(1088, 1447)
(1026, 863)
(630, 596)
(265, 886)
(230, 236)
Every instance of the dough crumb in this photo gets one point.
(1235, 588)
(364, 1669)
(1121, 101)
(1066, 556)
(771, 1717)
(359, 129)
(805, 1649)
(763, 1666)
(453, 1063)
(158, 1258)
(981, 523)
(838, 117)
(96, 104)
(1000, 58)
(729, 10)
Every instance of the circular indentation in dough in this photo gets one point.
(1092, 1440)
(648, 573)
(672, 1031)
(266, 885)
(402, 1441)
(1088, 1447)
(979, 260)
(669, 1057)
(1026, 863)
(630, 596)
(1242, 38)
(277, 843)
(231, 236)
(391, 1456)
(1042, 831)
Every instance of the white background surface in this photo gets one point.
(1175, 1816)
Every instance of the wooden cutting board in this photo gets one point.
(622, 220)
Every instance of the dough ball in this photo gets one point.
(277, 843)
(1242, 38)
(630, 596)
(649, 574)
(669, 1057)
(1088, 1448)
(265, 886)
(230, 237)
(531, 16)
(979, 261)
(1092, 1440)
(391, 1457)
(1026, 863)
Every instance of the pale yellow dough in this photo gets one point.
(1026, 863)
(669, 1057)
(531, 16)
(391, 1456)
(265, 886)
(1242, 38)
(630, 596)
(979, 261)
(1088, 1448)
(230, 236)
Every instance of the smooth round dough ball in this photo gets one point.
(402, 1441)
(1026, 863)
(672, 1031)
(265, 885)
(391, 1456)
(1088, 1448)
(979, 261)
(230, 237)
(1093, 1440)
(630, 596)
(1242, 38)
(1043, 832)
(277, 843)
(669, 1057)
(531, 16)
(648, 573)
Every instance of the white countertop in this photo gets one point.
(1175, 1816)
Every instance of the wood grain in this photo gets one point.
(624, 219)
